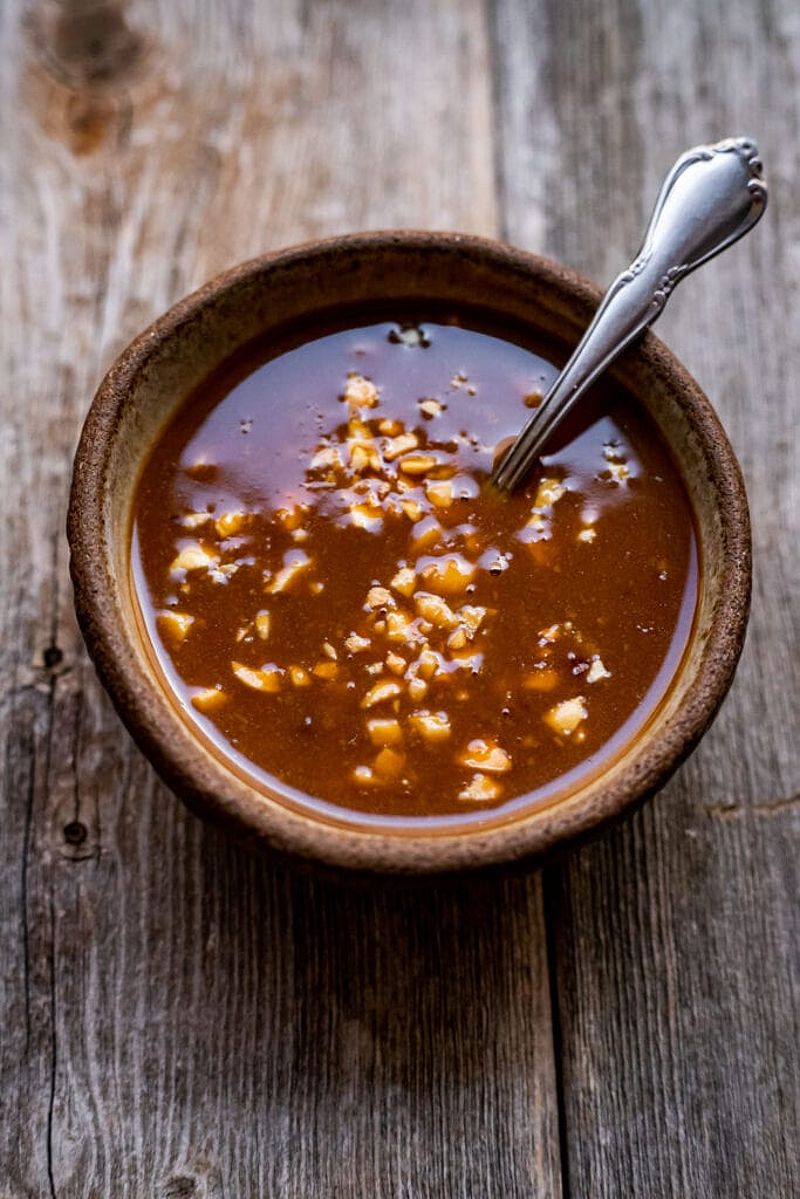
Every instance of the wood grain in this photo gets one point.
(676, 936)
(179, 1019)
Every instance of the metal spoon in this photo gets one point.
(711, 197)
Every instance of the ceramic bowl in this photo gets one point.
(164, 364)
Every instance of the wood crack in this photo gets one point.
(499, 153)
(551, 905)
(54, 1052)
(763, 809)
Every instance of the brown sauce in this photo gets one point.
(341, 604)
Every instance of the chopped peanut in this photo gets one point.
(587, 535)
(355, 644)
(208, 699)
(325, 670)
(296, 561)
(404, 581)
(548, 493)
(540, 680)
(268, 678)
(291, 518)
(480, 789)
(417, 689)
(427, 664)
(565, 717)
(400, 627)
(442, 470)
(389, 763)
(417, 464)
(360, 392)
(426, 534)
(457, 639)
(193, 520)
(449, 575)
(229, 523)
(329, 651)
(379, 597)
(395, 663)
(380, 693)
(472, 616)
(485, 755)
(177, 624)
(549, 634)
(299, 676)
(263, 622)
(193, 557)
(432, 726)
(440, 493)
(358, 430)
(618, 471)
(384, 732)
(400, 445)
(363, 776)
(360, 459)
(435, 609)
(328, 457)
(390, 428)
(430, 408)
(412, 509)
(597, 671)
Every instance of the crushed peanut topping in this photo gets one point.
(380, 693)
(354, 644)
(192, 557)
(480, 789)
(384, 732)
(209, 698)
(431, 726)
(565, 717)
(296, 563)
(268, 678)
(175, 624)
(486, 755)
(263, 624)
(360, 392)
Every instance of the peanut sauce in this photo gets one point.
(341, 603)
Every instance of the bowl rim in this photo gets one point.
(219, 795)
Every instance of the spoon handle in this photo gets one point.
(711, 197)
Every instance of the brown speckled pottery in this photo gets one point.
(169, 359)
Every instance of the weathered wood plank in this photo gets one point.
(676, 939)
(178, 1018)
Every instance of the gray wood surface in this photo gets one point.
(177, 1018)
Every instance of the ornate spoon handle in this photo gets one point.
(711, 197)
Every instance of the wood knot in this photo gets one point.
(85, 60)
(180, 1186)
(87, 43)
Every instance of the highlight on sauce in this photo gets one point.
(341, 603)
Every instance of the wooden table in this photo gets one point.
(179, 1019)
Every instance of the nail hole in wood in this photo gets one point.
(53, 656)
(75, 833)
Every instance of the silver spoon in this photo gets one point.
(711, 197)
